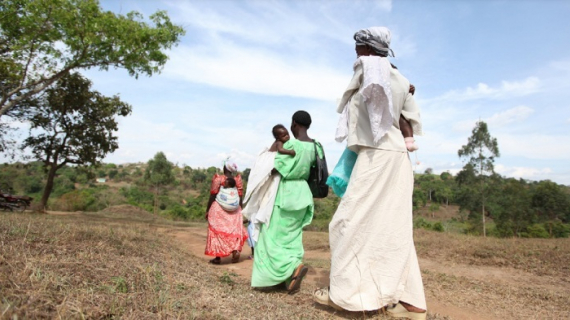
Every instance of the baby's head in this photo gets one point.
(280, 133)
(230, 183)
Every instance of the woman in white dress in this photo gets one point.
(373, 257)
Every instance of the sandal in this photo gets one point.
(321, 296)
(235, 256)
(296, 279)
(399, 311)
(216, 260)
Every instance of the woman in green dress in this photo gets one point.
(279, 250)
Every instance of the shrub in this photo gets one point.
(422, 223)
(535, 231)
(179, 212)
(438, 227)
(560, 230)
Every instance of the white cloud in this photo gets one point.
(506, 90)
(534, 146)
(501, 119)
(256, 70)
(528, 173)
(516, 114)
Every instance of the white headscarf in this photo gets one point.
(230, 165)
(375, 88)
(377, 38)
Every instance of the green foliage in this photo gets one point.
(535, 231)
(421, 223)
(438, 226)
(559, 229)
(138, 197)
(72, 125)
(62, 185)
(159, 171)
(113, 173)
(419, 198)
(179, 212)
(41, 41)
(550, 201)
(227, 278)
(513, 213)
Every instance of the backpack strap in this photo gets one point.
(315, 143)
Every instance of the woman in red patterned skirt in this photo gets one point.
(226, 233)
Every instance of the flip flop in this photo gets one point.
(321, 296)
(297, 278)
(399, 311)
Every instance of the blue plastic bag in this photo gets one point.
(338, 180)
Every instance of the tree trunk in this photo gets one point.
(48, 188)
(155, 199)
(482, 190)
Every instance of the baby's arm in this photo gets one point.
(406, 128)
(282, 150)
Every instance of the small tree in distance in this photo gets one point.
(158, 174)
(480, 151)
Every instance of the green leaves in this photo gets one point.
(76, 125)
(43, 40)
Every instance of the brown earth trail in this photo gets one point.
(194, 239)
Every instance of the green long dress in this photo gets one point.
(279, 249)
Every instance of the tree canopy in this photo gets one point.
(73, 125)
(41, 41)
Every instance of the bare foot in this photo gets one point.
(411, 308)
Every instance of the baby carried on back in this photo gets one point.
(228, 197)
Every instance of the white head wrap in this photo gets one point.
(230, 165)
(375, 88)
(377, 38)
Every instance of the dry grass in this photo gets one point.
(115, 264)
(78, 267)
(541, 257)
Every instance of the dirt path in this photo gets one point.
(194, 239)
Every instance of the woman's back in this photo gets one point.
(298, 167)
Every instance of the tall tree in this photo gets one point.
(480, 152)
(74, 126)
(42, 41)
(158, 174)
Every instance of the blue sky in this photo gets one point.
(244, 66)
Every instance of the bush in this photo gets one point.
(422, 223)
(77, 200)
(535, 231)
(560, 230)
(179, 212)
(438, 227)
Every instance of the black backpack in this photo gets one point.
(319, 175)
